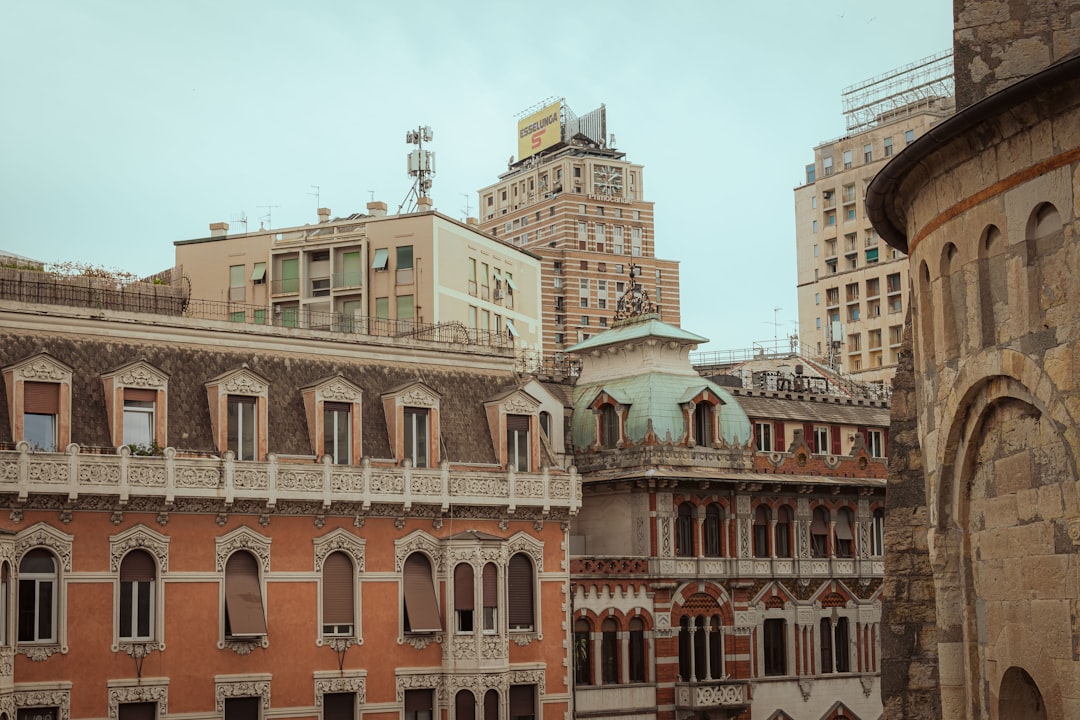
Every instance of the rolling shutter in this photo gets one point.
(463, 587)
(819, 526)
(140, 395)
(339, 706)
(843, 526)
(491, 587)
(522, 698)
(420, 604)
(243, 597)
(137, 711)
(520, 592)
(520, 423)
(464, 706)
(337, 590)
(41, 398)
(137, 566)
(418, 701)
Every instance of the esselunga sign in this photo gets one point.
(539, 131)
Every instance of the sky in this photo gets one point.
(127, 125)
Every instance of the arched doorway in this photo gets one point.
(1019, 697)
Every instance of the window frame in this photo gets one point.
(521, 588)
(152, 604)
(36, 580)
(234, 585)
(40, 368)
(420, 584)
(763, 436)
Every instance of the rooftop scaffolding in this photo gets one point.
(914, 84)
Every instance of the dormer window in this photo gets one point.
(238, 413)
(513, 420)
(135, 401)
(703, 423)
(333, 414)
(609, 427)
(39, 402)
(416, 436)
(412, 420)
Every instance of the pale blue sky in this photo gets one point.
(129, 124)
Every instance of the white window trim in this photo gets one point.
(341, 540)
(43, 535)
(241, 686)
(155, 690)
(242, 538)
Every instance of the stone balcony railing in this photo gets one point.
(706, 695)
(172, 476)
(683, 567)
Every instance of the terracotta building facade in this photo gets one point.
(212, 523)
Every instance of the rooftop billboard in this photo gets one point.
(539, 131)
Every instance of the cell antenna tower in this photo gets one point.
(421, 166)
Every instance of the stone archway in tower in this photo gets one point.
(1019, 697)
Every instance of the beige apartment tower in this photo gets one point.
(852, 288)
(578, 203)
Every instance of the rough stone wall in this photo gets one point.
(909, 667)
(997, 42)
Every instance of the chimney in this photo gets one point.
(324, 215)
(472, 222)
(376, 209)
(220, 229)
(423, 204)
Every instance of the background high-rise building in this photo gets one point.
(851, 287)
(575, 201)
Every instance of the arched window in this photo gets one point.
(582, 652)
(545, 423)
(701, 649)
(491, 705)
(245, 617)
(844, 537)
(609, 651)
(993, 285)
(783, 532)
(714, 541)
(38, 585)
(1019, 697)
(464, 705)
(609, 427)
(491, 598)
(463, 597)
(637, 650)
(819, 533)
(138, 573)
(716, 648)
(338, 595)
(420, 606)
(877, 536)
(520, 593)
(926, 314)
(703, 423)
(684, 531)
(761, 532)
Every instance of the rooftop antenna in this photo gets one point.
(243, 219)
(468, 208)
(372, 194)
(421, 166)
(776, 324)
(318, 200)
(268, 217)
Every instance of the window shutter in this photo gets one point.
(463, 587)
(819, 525)
(339, 706)
(843, 526)
(521, 700)
(41, 398)
(491, 586)
(140, 395)
(491, 705)
(337, 589)
(779, 440)
(336, 407)
(808, 436)
(520, 423)
(243, 596)
(138, 711)
(420, 603)
(418, 701)
(137, 566)
(834, 433)
(464, 705)
(520, 592)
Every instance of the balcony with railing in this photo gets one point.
(350, 279)
(687, 568)
(175, 475)
(705, 696)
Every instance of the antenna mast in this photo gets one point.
(421, 166)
